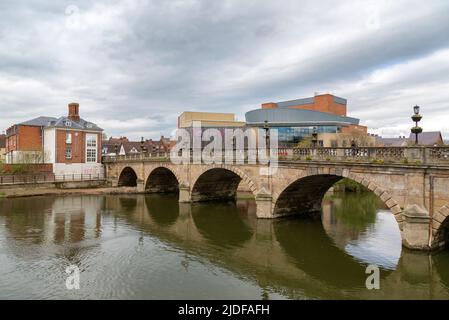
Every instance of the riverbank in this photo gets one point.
(49, 191)
(42, 191)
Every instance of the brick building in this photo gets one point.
(2, 147)
(70, 143)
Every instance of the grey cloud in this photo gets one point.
(151, 60)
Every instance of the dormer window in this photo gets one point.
(68, 123)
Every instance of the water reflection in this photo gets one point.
(222, 224)
(152, 247)
(360, 225)
(163, 210)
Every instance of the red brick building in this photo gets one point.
(70, 143)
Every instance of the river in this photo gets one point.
(152, 247)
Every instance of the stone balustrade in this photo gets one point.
(378, 155)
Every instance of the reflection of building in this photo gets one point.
(71, 144)
(297, 120)
(2, 147)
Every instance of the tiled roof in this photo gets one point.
(39, 122)
(428, 138)
(62, 122)
(131, 147)
(392, 142)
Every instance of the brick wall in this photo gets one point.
(30, 138)
(29, 168)
(78, 146)
(355, 129)
(321, 103)
(324, 103)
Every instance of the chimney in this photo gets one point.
(74, 111)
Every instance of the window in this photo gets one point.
(68, 138)
(68, 152)
(68, 123)
(91, 148)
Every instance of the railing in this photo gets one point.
(12, 179)
(379, 155)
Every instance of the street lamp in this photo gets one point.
(142, 146)
(416, 118)
(267, 136)
(314, 137)
(116, 149)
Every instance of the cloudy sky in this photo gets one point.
(134, 65)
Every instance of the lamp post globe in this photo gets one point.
(416, 117)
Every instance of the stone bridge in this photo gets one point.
(417, 194)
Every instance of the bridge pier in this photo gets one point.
(140, 185)
(416, 228)
(264, 206)
(184, 194)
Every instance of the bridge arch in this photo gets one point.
(219, 183)
(162, 180)
(305, 194)
(440, 226)
(127, 178)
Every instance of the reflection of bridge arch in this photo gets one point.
(162, 180)
(221, 224)
(127, 178)
(305, 194)
(313, 252)
(163, 209)
(219, 183)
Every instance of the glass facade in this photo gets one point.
(289, 136)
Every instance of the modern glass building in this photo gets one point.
(298, 119)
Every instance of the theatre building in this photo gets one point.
(296, 120)
(71, 144)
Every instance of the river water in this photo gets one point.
(152, 247)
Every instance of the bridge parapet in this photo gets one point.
(378, 155)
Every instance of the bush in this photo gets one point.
(349, 185)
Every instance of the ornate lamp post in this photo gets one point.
(142, 145)
(314, 137)
(416, 118)
(267, 136)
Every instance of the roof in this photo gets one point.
(2, 141)
(62, 122)
(38, 122)
(130, 147)
(392, 142)
(428, 138)
(296, 117)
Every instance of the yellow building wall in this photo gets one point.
(208, 119)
